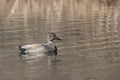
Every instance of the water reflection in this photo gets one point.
(90, 32)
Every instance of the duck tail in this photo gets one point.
(19, 47)
(22, 50)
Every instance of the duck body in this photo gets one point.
(48, 49)
(38, 48)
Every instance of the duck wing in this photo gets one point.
(31, 46)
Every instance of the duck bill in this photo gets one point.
(57, 38)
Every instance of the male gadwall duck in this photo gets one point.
(48, 49)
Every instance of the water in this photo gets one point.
(90, 34)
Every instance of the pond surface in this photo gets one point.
(90, 32)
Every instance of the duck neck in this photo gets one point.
(50, 41)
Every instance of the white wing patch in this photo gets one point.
(31, 46)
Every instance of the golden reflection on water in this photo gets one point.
(89, 29)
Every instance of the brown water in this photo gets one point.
(90, 49)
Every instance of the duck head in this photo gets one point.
(52, 37)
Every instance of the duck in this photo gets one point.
(47, 49)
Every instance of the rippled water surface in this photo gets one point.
(90, 32)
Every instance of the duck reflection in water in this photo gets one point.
(48, 49)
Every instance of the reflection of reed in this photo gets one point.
(109, 2)
(56, 9)
(14, 7)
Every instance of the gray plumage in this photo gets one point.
(48, 49)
